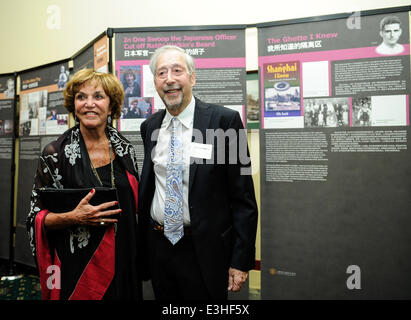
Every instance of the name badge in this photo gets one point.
(199, 150)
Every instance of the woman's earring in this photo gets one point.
(76, 119)
(109, 119)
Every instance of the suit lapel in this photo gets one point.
(202, 116)
(155, 125)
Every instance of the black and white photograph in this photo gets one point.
(390, 32)
(326, 112)
(30, 105)
(9, 92)
(361, 112)
(63, 77)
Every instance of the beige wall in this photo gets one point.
(27, 41)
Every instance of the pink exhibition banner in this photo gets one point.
(219, 57)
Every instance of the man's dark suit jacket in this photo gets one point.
(223, 209)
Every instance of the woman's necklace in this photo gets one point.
(112, 169)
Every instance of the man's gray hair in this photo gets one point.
(188, 59)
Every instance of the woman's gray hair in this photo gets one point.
(188, 59)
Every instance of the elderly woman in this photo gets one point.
(85, 253)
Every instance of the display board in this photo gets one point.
(335, 157)
(7, 105)
(84, 60)
(42, 118)
(93, 56)
(334, 140)
(219, 55)
(253, 105)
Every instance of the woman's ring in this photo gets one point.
(102, 222)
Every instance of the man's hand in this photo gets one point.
(236, 279)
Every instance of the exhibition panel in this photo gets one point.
(335, 157)
(331, 99)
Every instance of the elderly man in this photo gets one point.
(199, 210)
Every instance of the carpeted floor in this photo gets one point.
(27, 285)
(24, 286)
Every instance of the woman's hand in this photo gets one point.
(87, 214)
(83, 214)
